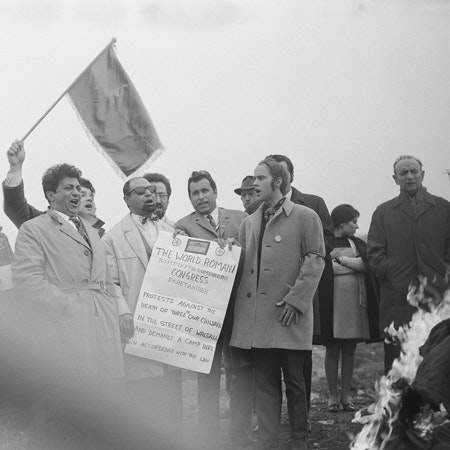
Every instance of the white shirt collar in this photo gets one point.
(65, 217)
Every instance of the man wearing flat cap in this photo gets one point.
(248, 194)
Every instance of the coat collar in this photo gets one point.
(256, 217)
(68, 229)
(297, 196)
(401, 202)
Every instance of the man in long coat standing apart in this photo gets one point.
(60, 262)
(409, 236)
(273, 316)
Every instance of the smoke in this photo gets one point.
(380, 418)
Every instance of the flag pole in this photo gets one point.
(113, 41)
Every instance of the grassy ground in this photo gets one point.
(330, 431)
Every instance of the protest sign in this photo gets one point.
(183, 301)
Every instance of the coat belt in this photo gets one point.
(85, 286)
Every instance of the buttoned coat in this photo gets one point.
(70, 280)
(403, 244)
(292, 261)
(128, 259)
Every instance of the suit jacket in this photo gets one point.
(403, 244)
(198, 226)
(69, 279)
(323, 303)
(292, 260)
(127, 259)
(19, 211)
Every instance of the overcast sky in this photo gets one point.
(341, 87)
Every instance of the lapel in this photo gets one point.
(285, 208)
(427, 203)
(203, 222)
(404, 206)
(67, 229)
(134, 239)
(255, 220)
(224, 219)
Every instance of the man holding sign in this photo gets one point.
(155, 389)
(211, 223)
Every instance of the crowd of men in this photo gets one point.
(88, 282)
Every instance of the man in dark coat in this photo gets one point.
(323, 303)
(408, 236)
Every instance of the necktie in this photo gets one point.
(79, 227)
(269, 213)
(212, 221)
(153, 218)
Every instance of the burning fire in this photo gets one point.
(379, 417)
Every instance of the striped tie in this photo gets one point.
(212, 221)
(80, 227)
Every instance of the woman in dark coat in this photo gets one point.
(355, 306)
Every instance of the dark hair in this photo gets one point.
(158, 178)
(401, 157)
(54, 174)
(284, 158)
(200, 175)
(343, 213)
(277, 171)
(87, 184)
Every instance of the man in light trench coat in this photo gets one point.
(60, 264)
(153, 392)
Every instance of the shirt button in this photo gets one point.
(86, 252)
(252, 271)
(249, 294)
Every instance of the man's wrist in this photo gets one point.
(13, 177)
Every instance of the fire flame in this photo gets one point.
(379, 417)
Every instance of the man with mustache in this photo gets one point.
(60, 268)
(16, 206)
(153, 389)
(162, 194)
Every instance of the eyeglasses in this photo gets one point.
(161, 195)
(140, 190)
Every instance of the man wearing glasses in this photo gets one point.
(154, 389)
(162, 195)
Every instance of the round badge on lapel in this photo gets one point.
(277, 238)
